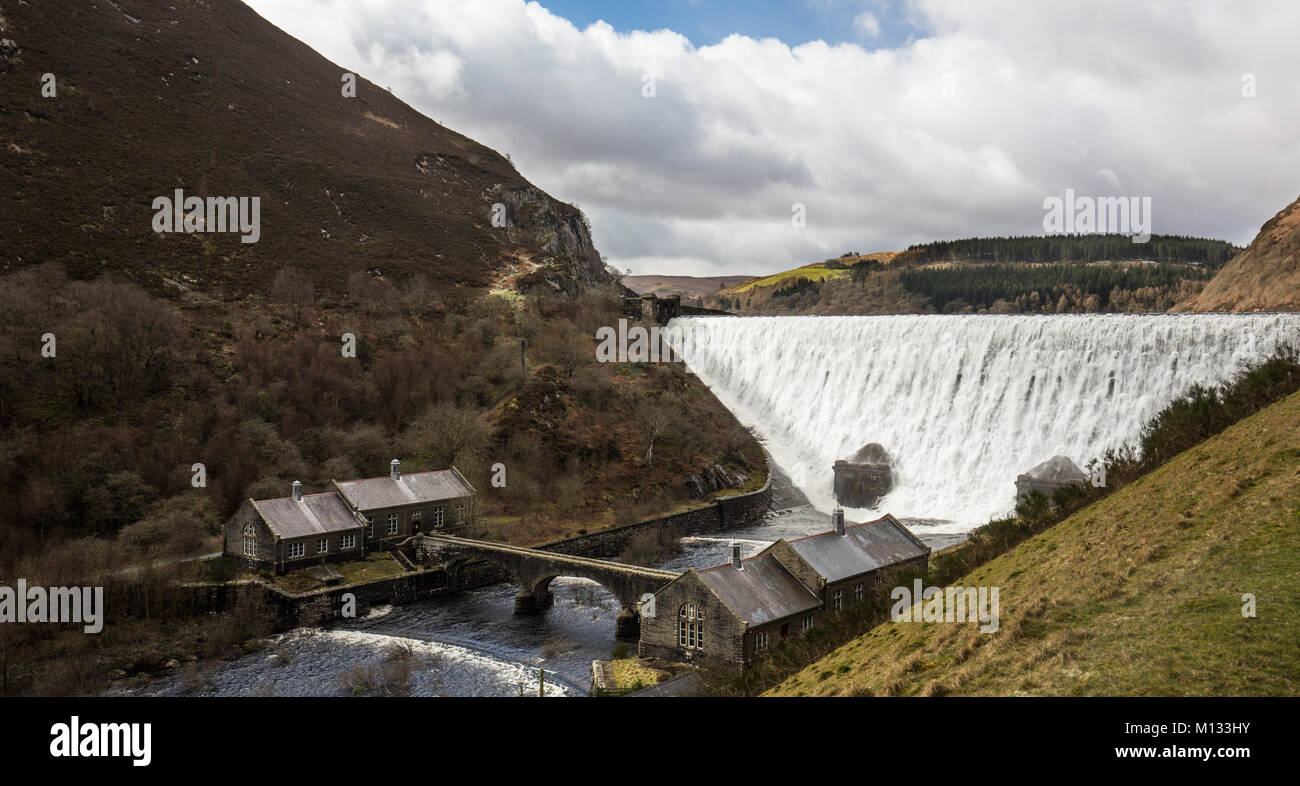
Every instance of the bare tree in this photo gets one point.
(294, 288)
(655, 422)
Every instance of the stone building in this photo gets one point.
(862, 480)
(300, 530)
(1057, 471)
(650, 308)
(398, 506)
(275, 535)
(732, 613)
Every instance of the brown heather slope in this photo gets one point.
(1264, 277)
(207, 96)
(1138, 594)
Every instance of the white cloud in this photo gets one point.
(700, 179)
(867, 24)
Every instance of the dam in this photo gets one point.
(962, 404)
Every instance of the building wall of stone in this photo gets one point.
(724, 634)
(861, 485)
(232, 535)
(312, 555)
(383, 539)
(1026, 484)
(792, 627)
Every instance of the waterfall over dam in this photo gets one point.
(963, 404)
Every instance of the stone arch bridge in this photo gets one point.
(534, 569)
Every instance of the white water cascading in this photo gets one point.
(963, 404)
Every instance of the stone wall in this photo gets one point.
(729, 512)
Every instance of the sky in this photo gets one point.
(695, 135)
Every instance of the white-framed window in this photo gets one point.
(348, 542)
(690, 627)
(857, 593)
(392, 523)
(460, 514)
(806, 624)
(370, 526)
(760, 641)
(250, 540)
(417, 515)
(437, 516)
(297, 549)
(837, 600)
(323, 546)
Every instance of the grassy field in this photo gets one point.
(1139, 594)
(376, 565)
(814, 272)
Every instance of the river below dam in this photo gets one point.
(472, 643)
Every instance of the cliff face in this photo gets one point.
(1264, 277)
(208, 97)
(564, 259)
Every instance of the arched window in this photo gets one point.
(250, 540)
(690, 626)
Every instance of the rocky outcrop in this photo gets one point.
(715, 477)
(863, 479)
(570, 261)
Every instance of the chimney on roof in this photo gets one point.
(735, 556)
(297, 491)
(393, 471)
(838, 518)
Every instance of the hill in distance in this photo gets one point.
(1264, 277)
(1138, 594)
(840, 267)
(208, 97)
(1058, 274)
(689, 287)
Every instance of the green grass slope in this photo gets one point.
(1139, 594)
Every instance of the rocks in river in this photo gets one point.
(1057, 471)
(715, 477)
(863, 479)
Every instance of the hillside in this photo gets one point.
(208, 97)
(818, 271)
(1264, 277)
(686, 286)
(1058, 274)
(192, 371)
(1139, 594)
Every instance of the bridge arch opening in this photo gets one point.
(535, 571)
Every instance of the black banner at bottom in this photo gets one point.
(151, 736)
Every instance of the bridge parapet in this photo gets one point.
(534, 569)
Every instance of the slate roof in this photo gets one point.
(417, 487)
(315, 514)
(862, 548)
(761, 592)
